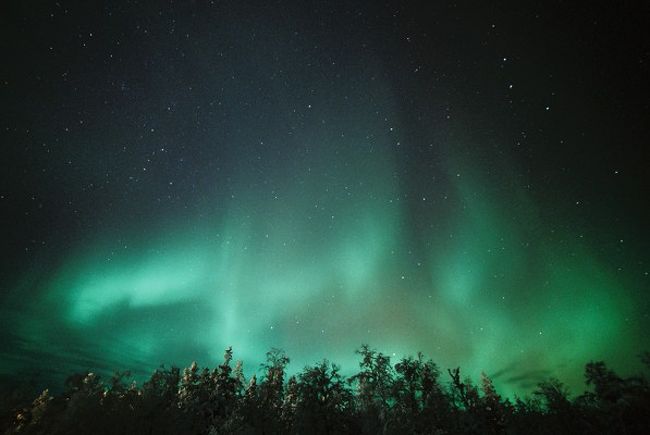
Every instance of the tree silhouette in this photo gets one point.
(373, 385)
(379, 399)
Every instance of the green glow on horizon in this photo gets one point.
(492, 295)
(314, 179)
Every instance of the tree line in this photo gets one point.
(410, 397)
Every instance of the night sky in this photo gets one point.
(469, 180)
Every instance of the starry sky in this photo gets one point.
(467, 180)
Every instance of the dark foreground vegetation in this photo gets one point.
(411, 397)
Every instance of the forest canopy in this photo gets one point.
(411, 396)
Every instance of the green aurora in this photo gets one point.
(316, 276)
(453, 180)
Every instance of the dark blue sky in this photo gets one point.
(466, 180)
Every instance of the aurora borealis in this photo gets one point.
(466, 182)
